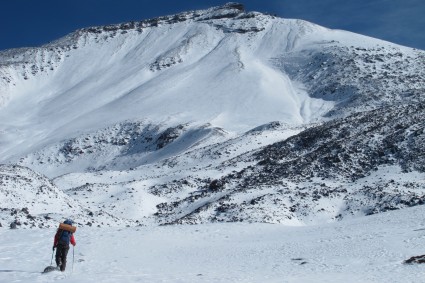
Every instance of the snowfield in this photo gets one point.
(366, 249)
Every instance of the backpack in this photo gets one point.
(65, 237)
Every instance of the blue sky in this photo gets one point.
(26, 23)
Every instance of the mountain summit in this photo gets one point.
(216, 115)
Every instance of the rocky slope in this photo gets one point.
(366, 163)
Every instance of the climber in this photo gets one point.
(61, 244)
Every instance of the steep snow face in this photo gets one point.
(208, 66)
(222, 66)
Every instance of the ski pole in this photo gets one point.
(52, 257)
(73, 256)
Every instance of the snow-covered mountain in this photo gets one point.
(212, 115)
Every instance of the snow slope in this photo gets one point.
(167, 73)
(219, 115)
(369, 249)
(220, 66)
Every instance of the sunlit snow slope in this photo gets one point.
(189, 71)
(159, 109)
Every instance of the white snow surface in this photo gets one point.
(368, 249)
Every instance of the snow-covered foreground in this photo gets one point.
(367, 249)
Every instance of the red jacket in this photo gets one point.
(56, 240)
